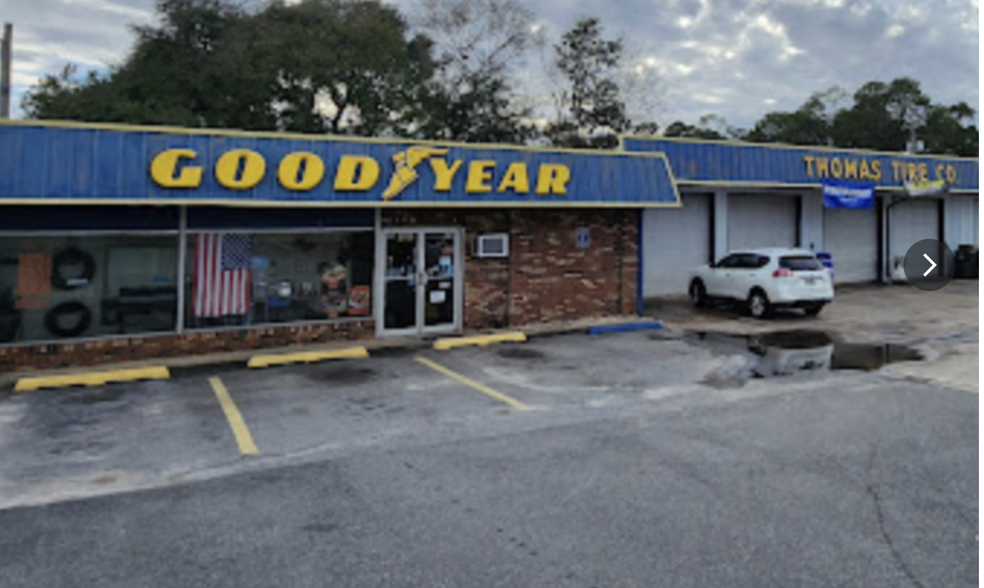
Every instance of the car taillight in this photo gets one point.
(782, 273)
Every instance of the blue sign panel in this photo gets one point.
(735, 163)
(847, 195)
(89, 163)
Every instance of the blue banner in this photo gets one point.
(848, 195)
(114, 164)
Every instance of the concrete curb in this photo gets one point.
(626, 328)
(480, 340)
(264, 361)
(371, 346)
(90, 379)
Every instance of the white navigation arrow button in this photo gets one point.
(932, 267)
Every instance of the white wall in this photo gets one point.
(961, 221)
(811, 221)
(674, 242)
(762, 220)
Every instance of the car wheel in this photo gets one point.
(813, 310)
(698, 294)
(758, 305)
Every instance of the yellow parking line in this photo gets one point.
(473, 384)
(236, 422)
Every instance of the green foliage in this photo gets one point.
(882, 116)
(945, 132)
(710, 126)
(476, 44)
(592, 110)
(481, 113)
(315, 66)
(810, 124)
(682, 129)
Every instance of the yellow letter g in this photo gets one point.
(164, 170)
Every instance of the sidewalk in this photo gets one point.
(241, 357)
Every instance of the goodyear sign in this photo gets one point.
(86, 163)
(734, 163)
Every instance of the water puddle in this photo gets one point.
(801, 352)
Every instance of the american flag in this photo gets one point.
(222, 274)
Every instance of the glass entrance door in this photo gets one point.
(421, 281)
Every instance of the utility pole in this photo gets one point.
(5, 58)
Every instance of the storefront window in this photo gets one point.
(54, 288)
(240, 279)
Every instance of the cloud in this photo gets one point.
(48, 34)
(737, 58)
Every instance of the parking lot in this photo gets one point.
(682, 416)
(79, 442)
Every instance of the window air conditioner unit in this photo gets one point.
(492, 245)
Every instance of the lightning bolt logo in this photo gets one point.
(406, 163)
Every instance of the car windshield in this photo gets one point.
(801, 263)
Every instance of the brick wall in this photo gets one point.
(546, 277)
(58, 355)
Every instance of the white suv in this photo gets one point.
(765, 279)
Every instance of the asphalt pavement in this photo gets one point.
(655, 458)
(854, 481)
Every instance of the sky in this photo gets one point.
(738, 59)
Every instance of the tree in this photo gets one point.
(191, 69)
(882, 116)
(477, 42)
(945, 133)
(591, 111)
(340, 66)
(343, 66)
(709, 126)
(810, 124)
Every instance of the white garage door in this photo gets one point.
(911, 222)
(674, 241)
(962, 221)
(762, 221)
(851, 237)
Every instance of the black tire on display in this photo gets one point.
(70, 257)
(52, 320)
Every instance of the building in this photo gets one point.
(122, 243)
(738, 195)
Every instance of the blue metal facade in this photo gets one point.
(710, 162)
(87, 163)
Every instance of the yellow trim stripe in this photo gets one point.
(735, 143)
(262, 361)
(746, 185)
(239, 429)
(92, 378)
(480, 340)
(396, 204)
(64, 124)
(473, 384)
